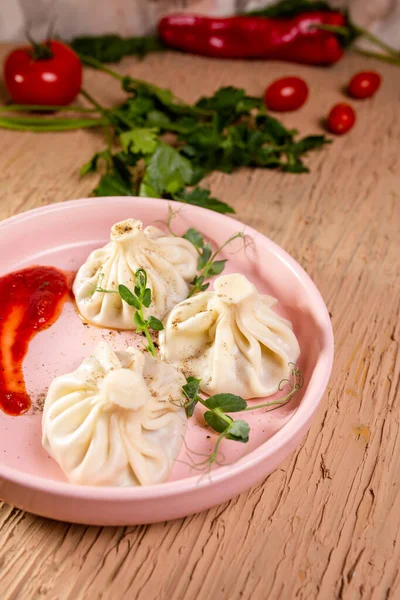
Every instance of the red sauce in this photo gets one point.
(30, 300)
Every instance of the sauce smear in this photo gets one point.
(30, 300)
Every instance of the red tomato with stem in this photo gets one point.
(364, 84)
(341, 119)
(44, 74)
(286, 94)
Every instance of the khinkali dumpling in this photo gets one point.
(117, 420)
(231, 339)
(170, 263)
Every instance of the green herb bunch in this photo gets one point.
(159, 146)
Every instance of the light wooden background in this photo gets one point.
(326, 524)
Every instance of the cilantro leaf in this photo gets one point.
(202, 197)
(310, 142)
(112, 185)
(112, 48)
(273, 129)
(229, 103)
(91, 165)
(140, 140)
(294, 165)
(167, 172)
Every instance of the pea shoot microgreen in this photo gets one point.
(139, 299)
(219, 405)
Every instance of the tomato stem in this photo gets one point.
(39, 51)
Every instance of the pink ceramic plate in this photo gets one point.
(62, 235)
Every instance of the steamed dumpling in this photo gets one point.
(116, 420)
(170, 263)
(231, 339)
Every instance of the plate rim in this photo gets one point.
(315, 389)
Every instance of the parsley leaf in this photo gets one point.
(112, 185)
(112, 48)
(202, 197)
(91, 165)
(311, 142)
(221, 132)
(229, 103)
(140, 140)
(167, 172)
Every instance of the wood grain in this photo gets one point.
(327, 523)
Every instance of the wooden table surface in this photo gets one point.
(326, 523)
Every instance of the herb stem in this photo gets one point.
(216, 411)
(88, 60)
(389, 59)
(338, 29)
(150, 342)
(274, 402)
(367, 35)
(26, 124)
(377, 41)
(106, 111)
(296, 386)
(233, 237)
(44, 108)
(90, 98)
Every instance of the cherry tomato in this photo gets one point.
(364, 85)
(341, 118)
(54, 79)
(288, 93)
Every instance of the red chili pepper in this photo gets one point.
(296, 39)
